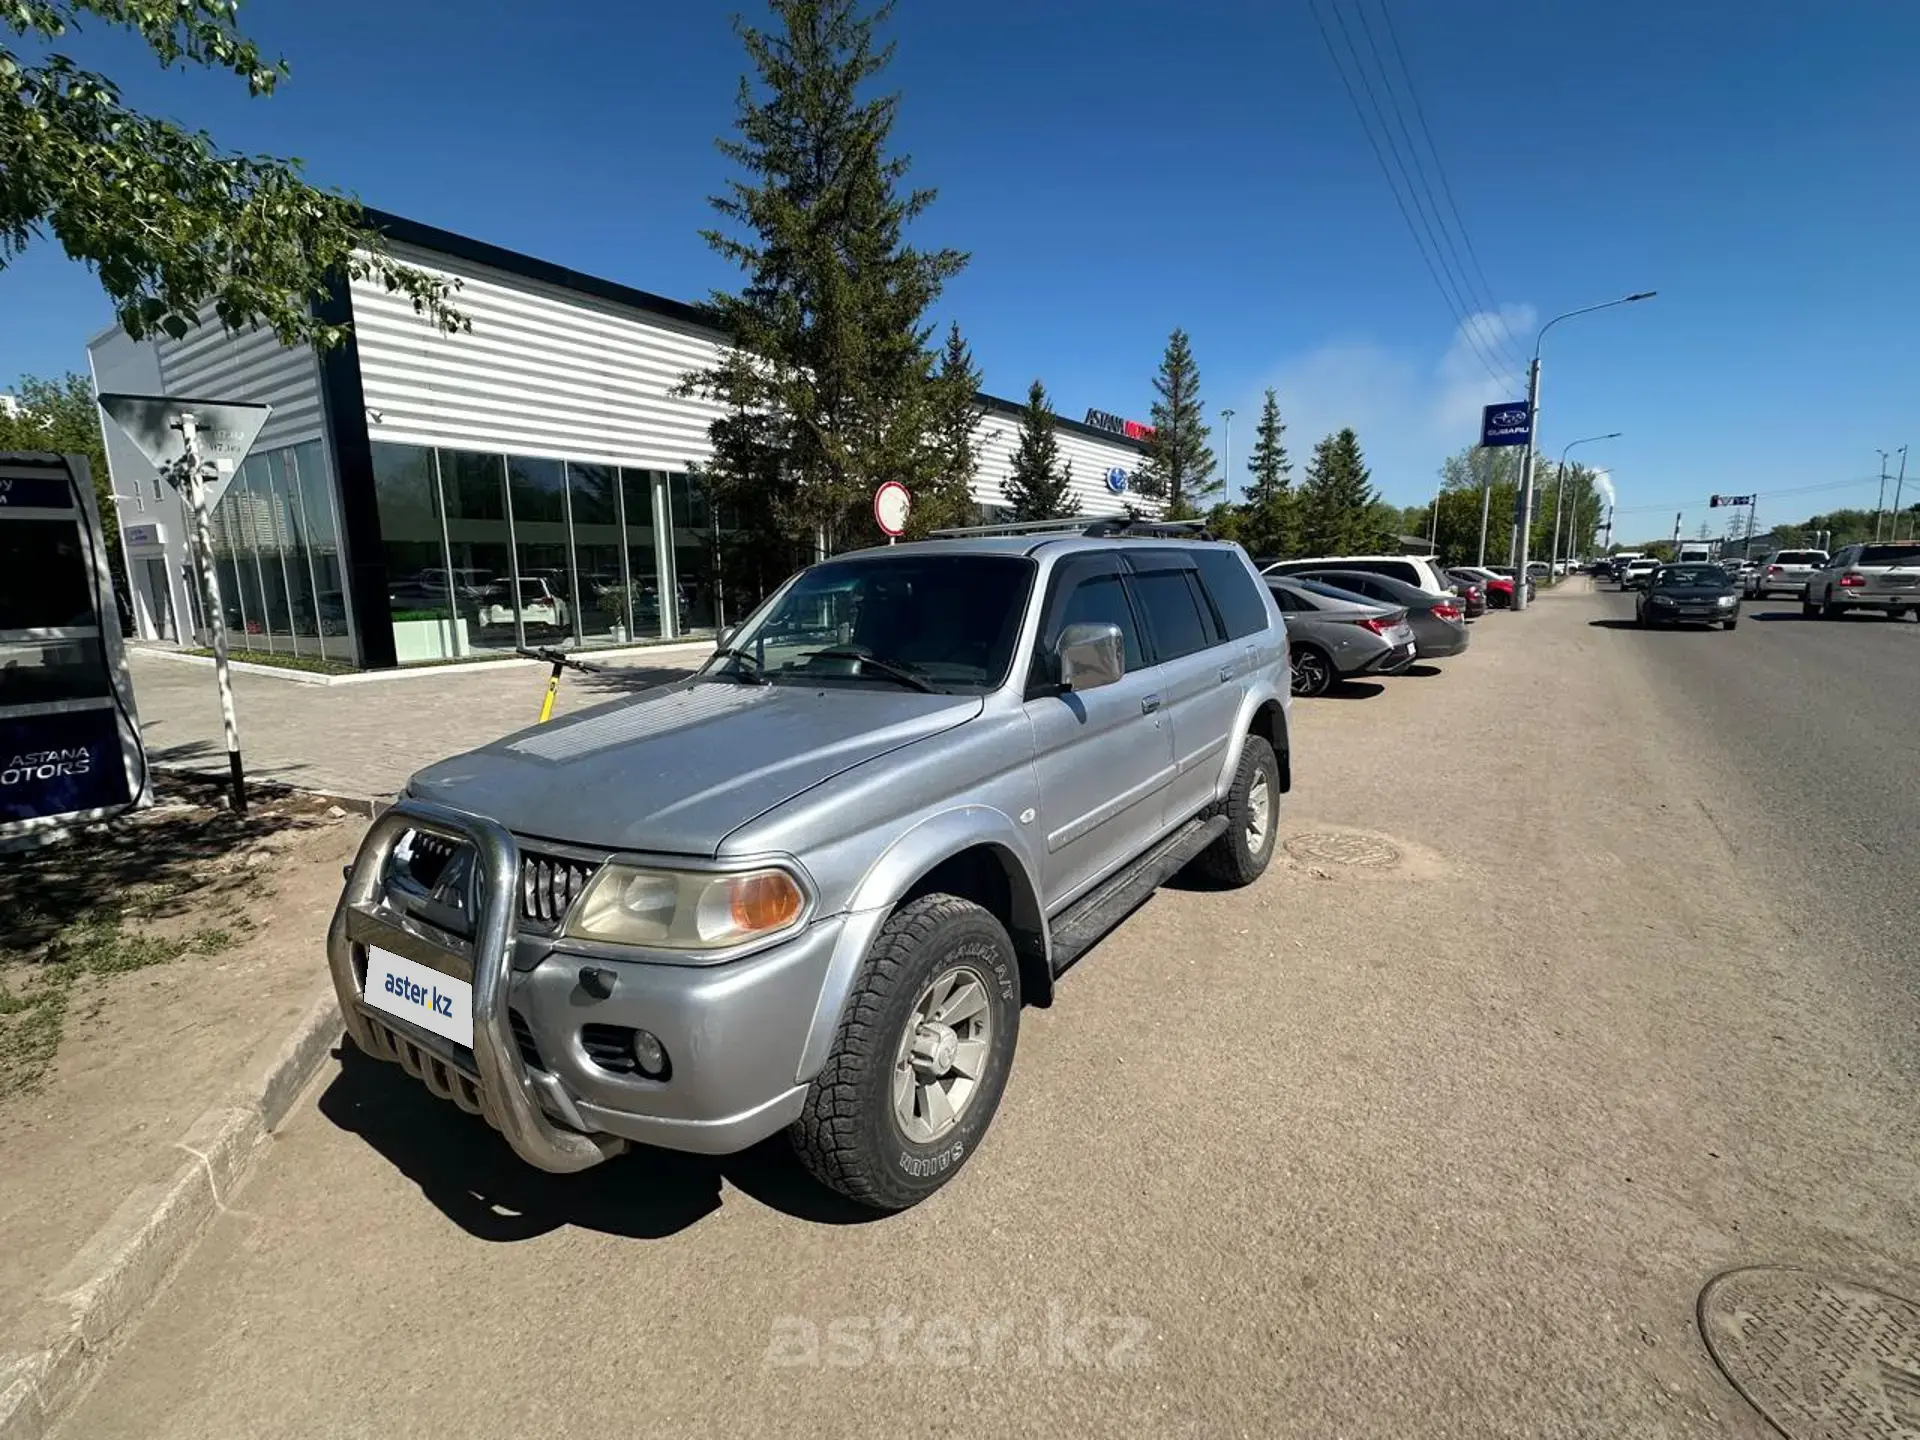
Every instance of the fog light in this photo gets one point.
(649, 1054)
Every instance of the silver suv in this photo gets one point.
(811, 887)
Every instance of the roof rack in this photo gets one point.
(1132, 525)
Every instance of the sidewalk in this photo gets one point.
(364, 740)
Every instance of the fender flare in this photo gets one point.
(892, 874)
(1250, 710)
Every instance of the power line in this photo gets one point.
(1473, 342)
(1446, 185)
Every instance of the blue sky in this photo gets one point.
(1119, 168)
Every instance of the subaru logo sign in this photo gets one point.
(1117, 480)
(1509, 424)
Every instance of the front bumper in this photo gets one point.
(1692, 614)
(735, 1033)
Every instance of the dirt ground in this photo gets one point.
(143, 967)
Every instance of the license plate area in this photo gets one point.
(420, 995)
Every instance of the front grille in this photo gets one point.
(523, 1038)
(429, 855)
(548, 885)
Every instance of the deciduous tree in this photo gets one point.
(169, 222)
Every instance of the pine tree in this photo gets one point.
(946, 498)
(830, 387)
(1336, 501)
(1178, 465)
(1037, 488)
(1266, 518)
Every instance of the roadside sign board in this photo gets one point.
(892, 503)
(226, 430)
(1719, 500)
(1508, 424)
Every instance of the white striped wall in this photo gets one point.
(548, 371)
(210, 364)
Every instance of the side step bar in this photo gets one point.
(1084, 922)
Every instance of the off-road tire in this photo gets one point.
(1232, 860)
(1809, 610)
(847, 1136)
(1732, 623)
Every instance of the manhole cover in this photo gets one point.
(1821, 1359)
(1343, 850)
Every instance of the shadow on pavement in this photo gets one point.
(1614, 624)
(1352, 690)
(1421, 671)
(471, 1175)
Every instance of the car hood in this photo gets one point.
(680, 768)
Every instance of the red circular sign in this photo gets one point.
(892, 503)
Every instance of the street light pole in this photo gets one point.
(1898, 484)
(1880, 505)
(1226, 469)
(1560, 490)
(1525, 508)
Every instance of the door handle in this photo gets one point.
(1226, 673)
(1149, 704)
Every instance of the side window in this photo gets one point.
(1288, 602)
(1171, 604)
(1093, 599)
(1235, 593)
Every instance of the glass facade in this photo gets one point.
(487, 552)
(276, 548)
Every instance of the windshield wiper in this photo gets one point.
(754, 675)
(893, 670)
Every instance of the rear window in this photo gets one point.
(1235, 593)
(1889, 555)
(1799, 557)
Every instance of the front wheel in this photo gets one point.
(1240, 856)
(921, 1057)
(1732, 623)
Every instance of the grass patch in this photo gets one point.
(312, 664)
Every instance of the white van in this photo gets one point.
(1422, 571)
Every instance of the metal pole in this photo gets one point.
(1486, 499)
(1523, 517)
(1897, 486)
(1559, 495)
(210, 582)
(1880, 505)
(1226, 467)
(1433, 536)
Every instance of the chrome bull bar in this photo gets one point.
(505, 1095)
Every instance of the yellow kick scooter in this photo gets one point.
(559, 660)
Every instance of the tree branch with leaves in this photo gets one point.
(171, 224)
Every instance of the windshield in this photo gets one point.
(1694, 575)
(952, 621)
(1889, 555)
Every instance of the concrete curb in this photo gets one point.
(121, 1270)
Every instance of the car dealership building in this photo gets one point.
(416, 496)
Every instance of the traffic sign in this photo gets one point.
(892, 503)
(1719, 500)
(1508, 424)
(226, 430)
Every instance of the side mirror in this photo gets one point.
(1090, 656)
(725, 637)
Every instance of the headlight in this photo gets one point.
(686, 910)
(1726, 600)
(1662, 600)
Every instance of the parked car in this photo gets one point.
(1472, 593)
(1784, 572)
(1423, 571)
(1439, 623)
(1507, 572)
(810, 887)
(1499, 588)
(1334, 634)
(1634, 574)
(1868, 576)
(1681, 594)
(538, 605)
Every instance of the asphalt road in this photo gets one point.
(1812, 730)
(1445, 1146)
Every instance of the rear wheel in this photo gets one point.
(1312, 671)
(1240, 856)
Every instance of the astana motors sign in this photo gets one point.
(1114, 425)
